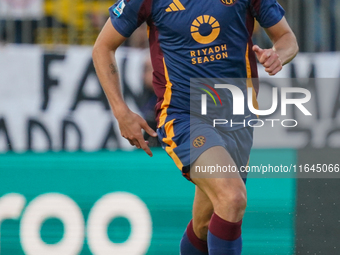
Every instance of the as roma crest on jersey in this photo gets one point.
(228, 2)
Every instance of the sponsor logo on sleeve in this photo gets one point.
(118, 10)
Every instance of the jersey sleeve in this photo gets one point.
(267, 12)
(127, 15)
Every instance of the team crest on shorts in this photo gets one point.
(228, 2)
(199, 141)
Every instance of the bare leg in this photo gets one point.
(218, 209)
(228, 195)
(202, 211)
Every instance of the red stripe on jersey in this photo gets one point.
(144, 11)
(159, 80)
(251, 54)
(256, 5)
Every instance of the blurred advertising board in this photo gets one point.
(52, 100)
(125, 203)
(21, 9)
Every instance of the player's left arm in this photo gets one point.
(284, 48)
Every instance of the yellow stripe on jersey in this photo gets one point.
(169, 131)
(166, 97)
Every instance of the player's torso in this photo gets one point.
(200, 36)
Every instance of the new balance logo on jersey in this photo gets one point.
(175, 6)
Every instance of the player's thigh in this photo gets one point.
(230, 187)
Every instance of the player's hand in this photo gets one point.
(131, 125)
(269, 59)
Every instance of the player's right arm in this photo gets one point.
(130, 123)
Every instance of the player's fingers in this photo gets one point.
(148, 129)
(130, 142)
(270, 61)
(127, 138)
(278, 69)
(136, 143)
(257, 49)
(273, 66)
(144, 146)
(265, 56)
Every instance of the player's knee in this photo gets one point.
(235, 199)
(238, 200)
